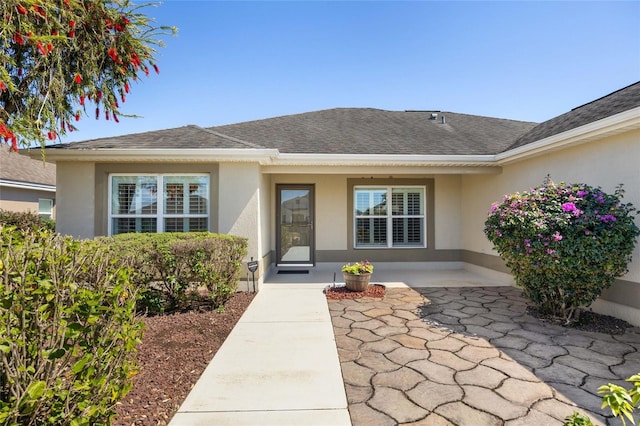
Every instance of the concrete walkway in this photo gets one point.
(279, 366)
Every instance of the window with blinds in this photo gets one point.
(389, 217)
(136, 205)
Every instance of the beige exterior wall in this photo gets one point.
(448, 212)
(605, 163)
(75, 184)
(239, 197)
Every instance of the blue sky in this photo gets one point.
(239, 61)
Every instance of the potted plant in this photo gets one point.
(357, 275)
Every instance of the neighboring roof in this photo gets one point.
(614, 103)
(20, 169)
(374, 131)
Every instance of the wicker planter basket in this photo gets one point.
(356, 282)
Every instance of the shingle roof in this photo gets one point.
(180, 137)
(614, 103)
(374, 131)
(20, 168)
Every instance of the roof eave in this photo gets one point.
(383, 160)
(27, 185)
(184, 155)
(622, 122)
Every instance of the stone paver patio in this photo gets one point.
(471, 356)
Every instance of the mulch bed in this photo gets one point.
(587, 321)
(340, 292)
(175, 350)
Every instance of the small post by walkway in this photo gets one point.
(253, 267)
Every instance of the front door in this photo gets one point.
(294, 227)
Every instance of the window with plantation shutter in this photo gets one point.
(389, 217)
(158, 203)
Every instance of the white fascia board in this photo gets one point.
(383, 160)
(618, 123)
(27, 185)
(187, 155)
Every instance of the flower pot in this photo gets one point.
(356, 282)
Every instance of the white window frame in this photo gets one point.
(48, 213)
(389, 217)
(159, 215)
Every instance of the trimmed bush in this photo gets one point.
(169, 265)
(564, 243)
(67, 330)
(25, 220)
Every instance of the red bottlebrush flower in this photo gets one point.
(49, 47)
(107, 23)
(3, 86)
(54, 32)
(115, 118)
(113, 53)
(81, 99)
(72, 24)
(77, 116)
(125, 21)
(97, 113)
(66, 2)
(155, 67)
(18, 38)
(14, 143)
(146, 70)
(72, 34)
(51, 135)
(19, 72)
(106, 115)
(70, 127)
(122, 98)
(39, 10)
(41, 48)
(119, 28)
(99, 94)
(78, 78)
(126, 87)
(21, 9)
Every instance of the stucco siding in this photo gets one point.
(75, 195)
(239, 198)
(448, 212)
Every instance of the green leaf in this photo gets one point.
(36, 389)
(58, 353)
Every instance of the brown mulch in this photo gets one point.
(587, 321)
(175, 350)
(339, 293)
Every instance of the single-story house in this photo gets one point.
(351, 183)
(27, 185)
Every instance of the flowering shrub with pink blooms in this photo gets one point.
(564, 243)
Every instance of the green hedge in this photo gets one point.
(67, 330)
(171, 267)
(25, 220)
